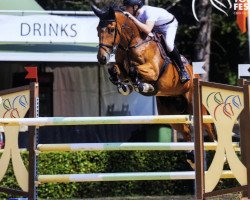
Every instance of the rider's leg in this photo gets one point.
(176, 58)
(173, 52)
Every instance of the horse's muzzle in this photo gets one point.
(103, 59)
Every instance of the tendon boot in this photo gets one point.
(138, 87)
(176, 58)
(113, 76)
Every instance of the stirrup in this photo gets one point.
(184, 77)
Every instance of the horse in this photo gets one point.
(141, 65)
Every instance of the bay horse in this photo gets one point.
(140, 65)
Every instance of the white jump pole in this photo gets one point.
(152, 146)
(130, 176)
(62, 121)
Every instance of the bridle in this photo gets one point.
(117, 32)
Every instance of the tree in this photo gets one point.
(229, 47)
(202, 43)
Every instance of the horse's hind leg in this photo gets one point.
(175, 106)
(210, 129)
(185, 129)
(170, 106)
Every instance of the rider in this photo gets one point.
(152, 19)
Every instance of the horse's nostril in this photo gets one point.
(102, 60)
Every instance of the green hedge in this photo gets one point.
(101, 162)
(98, 162)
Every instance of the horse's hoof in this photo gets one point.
(190, 159)
(124, 89)
(192, 164)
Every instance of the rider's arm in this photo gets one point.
(146, 28)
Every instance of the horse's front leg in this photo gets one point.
(116, 78)
(142, 72)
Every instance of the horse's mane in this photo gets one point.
(109, 16)
(113, 6)
(118, 9)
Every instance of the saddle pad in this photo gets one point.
(160, 41)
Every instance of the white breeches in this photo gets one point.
(170, 32)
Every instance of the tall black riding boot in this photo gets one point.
(176, 58)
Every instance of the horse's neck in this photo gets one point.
(130, 33)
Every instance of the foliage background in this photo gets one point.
(112, 161)
(105, 162)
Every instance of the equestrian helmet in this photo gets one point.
(139, 3)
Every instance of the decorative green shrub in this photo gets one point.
(108, 162)
(101, 162)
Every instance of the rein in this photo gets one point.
(117, 32)
(132, 37)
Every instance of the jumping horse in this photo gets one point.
(141, 64)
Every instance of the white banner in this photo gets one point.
(48, 29)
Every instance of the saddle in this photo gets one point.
(161, 43)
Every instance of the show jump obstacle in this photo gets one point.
(15, 103)
(225, 104)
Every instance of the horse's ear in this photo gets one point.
(111, 13)
(98, 12)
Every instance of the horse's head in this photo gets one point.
(108, 33)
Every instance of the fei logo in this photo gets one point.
(224, 5)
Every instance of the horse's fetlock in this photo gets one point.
(137, 87)
(140, 87)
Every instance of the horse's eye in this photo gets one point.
(111, 30)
